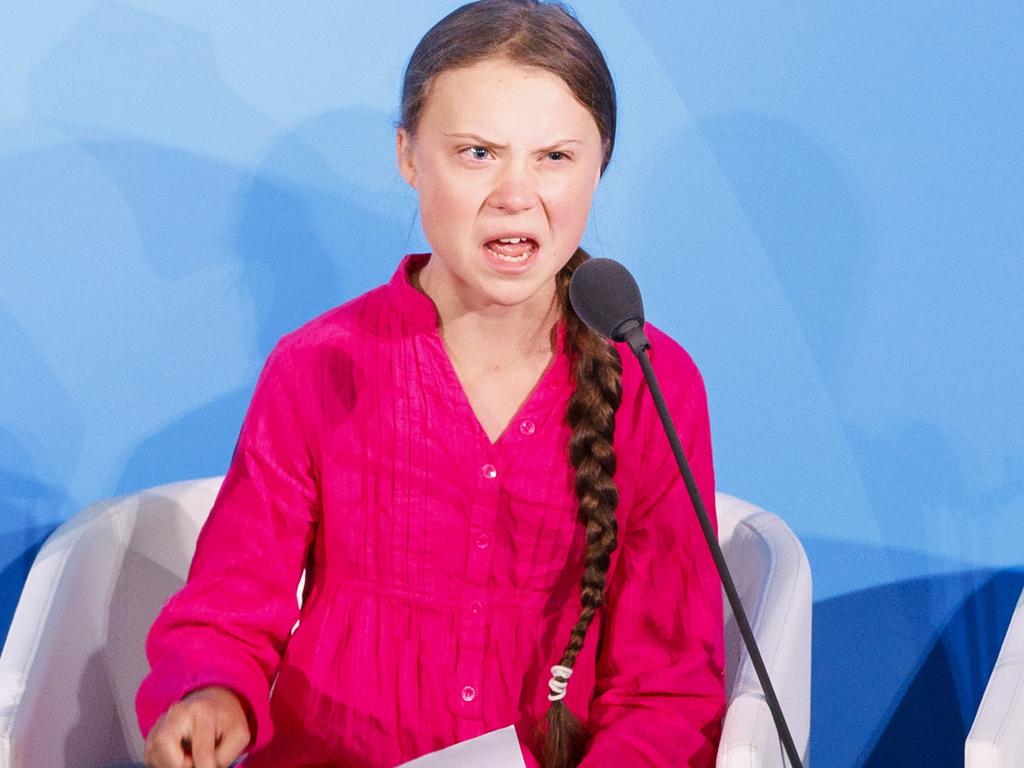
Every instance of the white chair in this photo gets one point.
(75, 654)
(773, 578)
(996, 739)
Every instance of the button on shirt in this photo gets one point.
(443, 571)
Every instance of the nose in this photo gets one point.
(515, 188)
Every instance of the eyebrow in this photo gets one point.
(488, 143)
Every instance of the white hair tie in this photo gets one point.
(558, 686)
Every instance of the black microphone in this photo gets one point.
(606, 297)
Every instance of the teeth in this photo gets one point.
(511, 259)
(512, 240)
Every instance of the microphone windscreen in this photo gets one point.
(606, 297)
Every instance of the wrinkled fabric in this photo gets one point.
(443, 571)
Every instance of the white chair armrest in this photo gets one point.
(996, 739)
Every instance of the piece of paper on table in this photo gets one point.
(497, 749)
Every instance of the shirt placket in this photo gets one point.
(472, 626)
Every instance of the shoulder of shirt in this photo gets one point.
(336, 327)
(673, 365)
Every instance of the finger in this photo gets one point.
(150, 758)
(163, 747)
(203, 740)
(232, 744)
(162, 753)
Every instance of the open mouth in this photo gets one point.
(512, 250)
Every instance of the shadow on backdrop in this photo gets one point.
(33, 475)
(299, 234)
(802, 210)
(935, 713)
(882, 642)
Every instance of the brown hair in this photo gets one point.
(547, 35)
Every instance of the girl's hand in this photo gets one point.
(208, 728)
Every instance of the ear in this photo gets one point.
(403, 155)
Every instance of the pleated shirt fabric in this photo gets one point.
(442, 571)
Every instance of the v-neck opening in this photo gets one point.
(532, 405)
(420, 311)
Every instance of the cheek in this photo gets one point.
(448, 204)
(571, 207)
(436, 211)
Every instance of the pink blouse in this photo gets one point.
(443, 571)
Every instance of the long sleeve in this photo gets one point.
(230, 623)
(659, 694)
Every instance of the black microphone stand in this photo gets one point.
(634, 335)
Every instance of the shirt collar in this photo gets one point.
(417, 307)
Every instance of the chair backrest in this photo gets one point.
(75, 654)
(773, 578)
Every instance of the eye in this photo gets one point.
(558, 157)
(476, 153)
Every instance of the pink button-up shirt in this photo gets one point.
(443, 571)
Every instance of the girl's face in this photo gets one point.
(502, 151)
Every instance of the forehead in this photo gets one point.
(499, 96)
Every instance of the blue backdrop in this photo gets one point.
(823, 203)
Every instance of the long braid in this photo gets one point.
(591, 414)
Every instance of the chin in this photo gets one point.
(511, 295)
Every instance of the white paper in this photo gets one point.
(497, 749)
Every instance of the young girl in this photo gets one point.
(476, 484)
